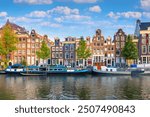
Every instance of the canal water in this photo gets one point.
(74, 87)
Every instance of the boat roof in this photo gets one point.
(57, 66)
(33, 67)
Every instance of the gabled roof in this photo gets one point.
(144, 25)
(16, 27)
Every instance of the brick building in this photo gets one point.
(28, 44)
(119, 40)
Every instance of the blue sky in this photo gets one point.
(62, 18)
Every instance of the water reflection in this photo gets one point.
(72, 88)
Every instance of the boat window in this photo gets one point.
(111, 70)
(59, 69)
(106, 69)
(50, 69)
(55, 69)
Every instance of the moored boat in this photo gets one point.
(60, 69)
(111, 71)
(15, 69)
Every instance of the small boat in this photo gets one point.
(15, 69)
(111, 71)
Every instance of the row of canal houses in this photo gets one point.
(104, 51)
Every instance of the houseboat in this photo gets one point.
(33, 71)
(60, 69)
(111, 71)
(15, 69)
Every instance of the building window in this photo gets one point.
(37, 45)
(23, 45)
(66, 55)
(33, 40)
(57, 48)
(28, 51)
(71, 47)
(66, 47)
(28, 45)
(23, 39)
(37, 40)
(53, 61)
(60, 55)
(99, 38)
(149, 49)
(23, 52)
(60, 48)
(143, 41)
(71, 55)
(57, 55)
(122, 44)
(19, 51)
(20, 39)
(122, 38)
(53, 48)
(144, 59)
(33, 51)
(53, 55)
(143, 35)
(118, 45)
(143, 49)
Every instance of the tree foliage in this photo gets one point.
(130, 50)
(82, 51)
(8, 41)
(44, 51)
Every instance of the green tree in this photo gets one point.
(44, 51)
(24, 62)
(8, 41)
(82, 51)
(130, 51)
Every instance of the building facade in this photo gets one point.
(119, 40)
(27, 45)
(98, 49)
(57, 53)
(109, 52)
(142, 32)
(69, 47)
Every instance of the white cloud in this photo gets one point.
(77, 17)
(59, 19)
(113, 15)
(3, 14)
(23, 19)
(125, 14)
(34, 1)
(95, 9)
(48, 24)
(38, 14)
(72, 18)
(85, 1)
(64, 10)
(146, 14)
(145, 4)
